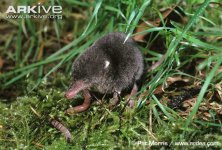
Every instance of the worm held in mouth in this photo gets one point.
(112, 65)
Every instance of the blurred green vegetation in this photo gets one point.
(37, 54)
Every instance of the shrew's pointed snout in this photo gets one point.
(75, 89)
(70, 94)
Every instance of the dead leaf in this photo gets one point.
(40, 53)
(219, 91)
(156, 64)
(169, 82)
(173, 13)
(203, 108)
(216, 107)
(41, 1)
(68, 37)
(189, 103)
(142, 27)
(39, 145)
(1, 62)
(159, 90)
(78, 16)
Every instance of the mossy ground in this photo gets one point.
(36, 58)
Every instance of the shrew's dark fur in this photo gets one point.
(110, 64)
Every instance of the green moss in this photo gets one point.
(33, 92)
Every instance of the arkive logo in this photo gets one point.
(37, 12)
(35, 9)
